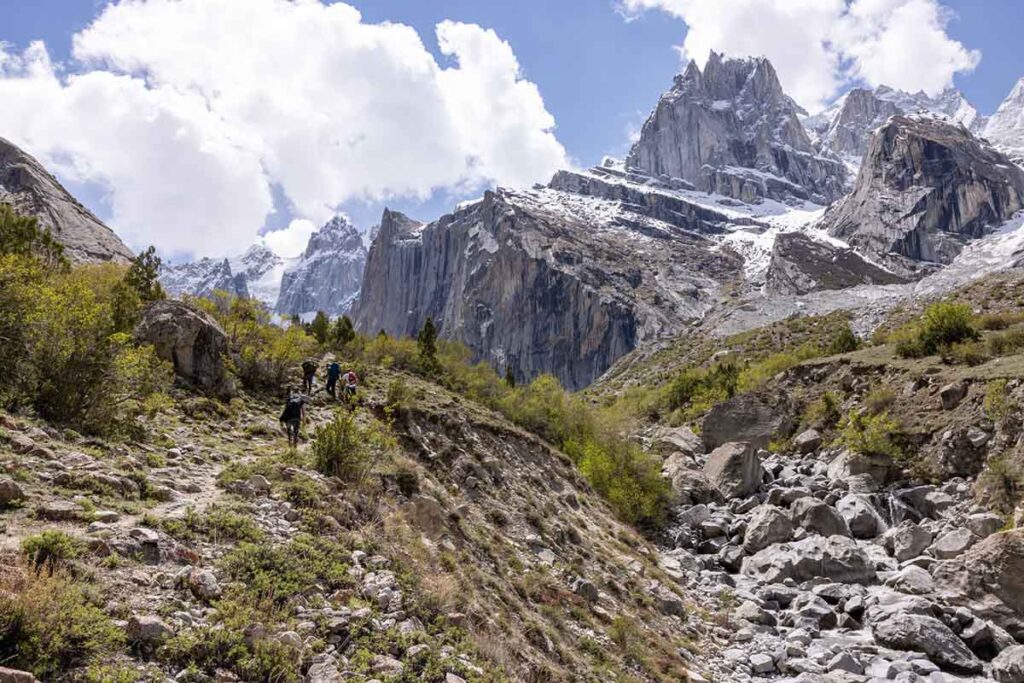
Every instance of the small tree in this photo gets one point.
(139, 286)
(510, 377)
(426, 341)
(321, 327)
(344, 331)
(22, 236)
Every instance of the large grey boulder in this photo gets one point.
(693, 487)
(926, 634)
(754, 418)
(988, 579)
(952, 544)
(1008, 666)
(861, 516)
(817, 517)
(766, 526)
(909, 540)
(836, 558)
(850, 464)
(925, 189)
(734, 469)
(27, 186)
(669, 440)
(188, 338)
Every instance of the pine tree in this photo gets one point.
(143, 276)
(510, 377)
(426, 340)
(321, 327)
(22, 236)
(344, 331)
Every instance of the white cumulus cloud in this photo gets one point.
(819, 46)
(187, 112)
(290, 241)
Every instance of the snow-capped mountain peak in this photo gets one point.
(1006, 127)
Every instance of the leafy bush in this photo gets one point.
(546, 409)
(998, 403)
(844, 341)
(999, 321)
(627, 477)
(1006, 343)
(276, 574)
(942, 325)
(72, 363)
(879, 435)
(49, 623)
(51, 548)
(343, 448)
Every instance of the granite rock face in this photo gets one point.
(925, 189)
(563, 279)
(27, 186)
(732, 130)
(328, 275)
(204, 277)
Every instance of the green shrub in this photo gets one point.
(51, 548)
(970, 353)
(844, 341)
(1006, 343)
(278, 574)
(343, 448)
(999, 321)
(627, 477)
(879, 435)
(942, 325)
(216, 523)
(49, 624)
(998, 403)
(546, 409)
(21, 236)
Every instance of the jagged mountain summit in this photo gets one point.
(732, 130)
(328, 275)
(32, 190)
(925, 189)
(1005, 128)
(846, 127)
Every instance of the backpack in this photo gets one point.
(292, 409)
(309, 367)
(334, 370)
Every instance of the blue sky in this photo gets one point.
(598, 74)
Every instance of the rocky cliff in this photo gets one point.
(731, 129)
(32, 190)
(563, 279)
(926, 187)
(329, 273)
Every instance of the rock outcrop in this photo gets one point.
(801, 264)
(732, 130)
(563, 280)
(328, 275)
(33, 191)
(925, 189)
(189, 339)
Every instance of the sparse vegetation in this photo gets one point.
(879, 434)
(51, 549)
(942, 325)
(347, 450)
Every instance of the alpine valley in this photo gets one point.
(745, 404)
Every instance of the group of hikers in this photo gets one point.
(295, 406)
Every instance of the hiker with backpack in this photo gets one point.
(293, 415)
(333, 375)
(308, 371)
(351, 384)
